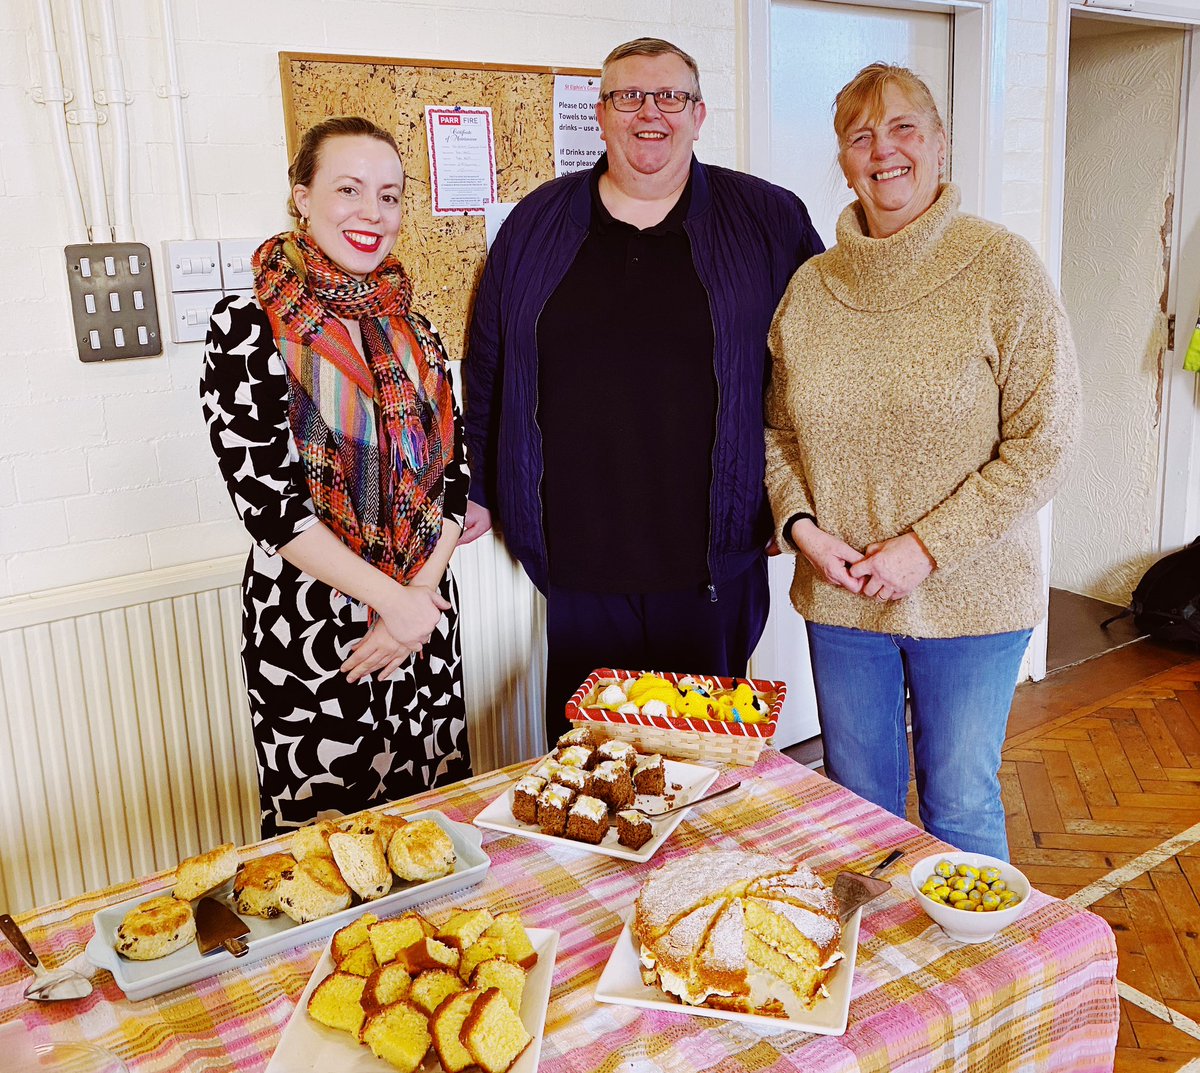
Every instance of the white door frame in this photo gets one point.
(1178, 499)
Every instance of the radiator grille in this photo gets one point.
(124, 733)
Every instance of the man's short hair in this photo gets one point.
(648, 46)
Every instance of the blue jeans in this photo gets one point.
(961, 690)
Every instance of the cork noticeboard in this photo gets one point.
(443, 255)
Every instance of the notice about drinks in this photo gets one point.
(577, 143)
(462, 160)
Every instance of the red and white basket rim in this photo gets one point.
(773, 692)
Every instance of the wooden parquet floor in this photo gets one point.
(1103, 804)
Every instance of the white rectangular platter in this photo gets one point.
(309, 1047)
(692, 779)
(621, 982)
(142, 979)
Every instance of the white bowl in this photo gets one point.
(959, 924)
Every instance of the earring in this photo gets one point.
(304, 223)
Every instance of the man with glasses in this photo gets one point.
(615, 373)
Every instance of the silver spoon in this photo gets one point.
(48, 985)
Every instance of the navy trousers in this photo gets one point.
(685, 631)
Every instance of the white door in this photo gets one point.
(816, 48)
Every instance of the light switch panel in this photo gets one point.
(190, 313)
(236, 274)
(104, 279)
(193, 265)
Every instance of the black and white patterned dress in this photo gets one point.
(324, 745)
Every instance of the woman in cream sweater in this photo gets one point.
(923, 402)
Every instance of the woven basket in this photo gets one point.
(709, 740)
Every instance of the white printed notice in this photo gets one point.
(462, 160)
(577, 143)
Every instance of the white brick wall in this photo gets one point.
(104, 469)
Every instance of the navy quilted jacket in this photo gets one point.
(748, 237)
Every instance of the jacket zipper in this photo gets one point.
(712, 480)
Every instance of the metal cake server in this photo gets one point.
(48, 985)
(219, 926)
(852, 890)
(687, 804)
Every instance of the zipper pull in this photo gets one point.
(712, 594)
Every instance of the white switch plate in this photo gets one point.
(190, 313)
(236, 274)
(193, 265)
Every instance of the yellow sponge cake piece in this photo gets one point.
(389, 937)
(518, 948)
(485, 948)
(337, 1002)
(399, 1034)
(352, 935)
(493, 1033)
(507, 976)
(446, 1024)
(387, 984)
(430, 987)
(464, 926)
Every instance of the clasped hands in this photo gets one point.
(885, 570)
(403, 624)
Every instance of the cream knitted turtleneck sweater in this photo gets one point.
(926, 382)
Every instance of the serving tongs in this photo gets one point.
(49, 985)
(852, 890)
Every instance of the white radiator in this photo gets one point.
(124, 734)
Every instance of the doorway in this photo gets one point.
(1121, 214)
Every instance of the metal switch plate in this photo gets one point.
(112, 300)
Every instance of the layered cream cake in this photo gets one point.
(739, 931)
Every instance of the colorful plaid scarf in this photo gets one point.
(374, 435)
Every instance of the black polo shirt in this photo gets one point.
(627, 405)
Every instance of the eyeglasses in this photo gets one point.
(667, 100)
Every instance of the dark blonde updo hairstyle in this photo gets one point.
(863, 95)
(649, 46)
(308, 155)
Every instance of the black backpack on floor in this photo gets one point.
(1166, 602)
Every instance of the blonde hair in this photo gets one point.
(863, 95)
(648, 46)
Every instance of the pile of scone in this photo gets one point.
(586, 786)
(328, 867)
(405, 986)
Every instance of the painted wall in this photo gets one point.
(105, 469)
(1121, 130)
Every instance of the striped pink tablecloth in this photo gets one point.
(1040, 997)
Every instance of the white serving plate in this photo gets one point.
(693, 780)
(309, 1047)
(621, 982)
(142, 979)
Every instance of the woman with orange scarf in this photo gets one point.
(329, 406)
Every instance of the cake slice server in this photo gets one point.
(49, 985)
(219, 926)
(852, 890)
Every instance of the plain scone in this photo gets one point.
(155, 929)
(200, 874)
(421, 851)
